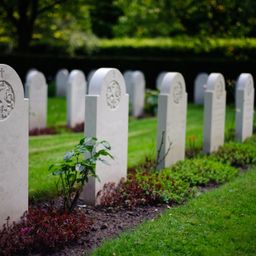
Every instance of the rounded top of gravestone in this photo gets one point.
(77, 76)
(245, 82)
(201, 79)
(108, 83)
(159, 79)
(174, 84)
(216, 83)
(127, 75)
(29, 71)
(11, 91)
(37, 79)
(62, 74)
(90, 74)
(139, 77)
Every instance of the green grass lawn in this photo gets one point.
(219, 222)
(45, 150)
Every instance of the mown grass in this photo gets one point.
(220, 222)
(45, 150)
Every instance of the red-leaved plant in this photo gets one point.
(42, 230)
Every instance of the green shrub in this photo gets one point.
(151, 100)
(202, 171)
(171, 185)
(237, 154)
(76, 168)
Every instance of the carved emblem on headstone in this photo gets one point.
(219, 90)
(177, 92)
(113, 94)
(7, 99)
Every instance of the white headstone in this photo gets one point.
(199, 88)
(61, 80)
(128, 82)
(244, 107)
(159, 80)
(76, 91)
(171, 120)
(90, 74)
(214, 113)
(106, 117)
(36, 90)
(138, 93)
(29, 71)
(14, 146)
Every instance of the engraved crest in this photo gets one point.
(177, 92)
(7, 99)
(219, 90)
(113, 94)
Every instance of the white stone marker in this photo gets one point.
(135, 86)
(106, 117)
(171, 120)
(30, 71)
(14, 146)
(159, 80)
(138, 93)
(61, 80)
(36, 90)
(128, 82)
(199, 88)
(76, 91)
(244, 106)
(90, 75)
(214, 113)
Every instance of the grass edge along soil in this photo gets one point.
(219, 222)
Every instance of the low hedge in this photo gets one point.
(224, 48)
(238, 49)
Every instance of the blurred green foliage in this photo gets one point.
(77, 25)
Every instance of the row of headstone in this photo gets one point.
(106, 118)
(62, 80)
(135, 87)
(172, 104)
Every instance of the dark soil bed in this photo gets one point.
(108, 223)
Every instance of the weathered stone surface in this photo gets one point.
(106, 118)
(214, 113)
(171, 120)
(199, 88)
(244, 106)
(36, 90)
(14, 146)
(76, 91)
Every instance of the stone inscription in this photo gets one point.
(7, 99)
(113, 94)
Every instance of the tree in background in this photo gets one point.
(104, 15)
(222, 18)
(27, 20)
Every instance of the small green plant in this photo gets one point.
(76, 167)
(151, 98)
(236, 154)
